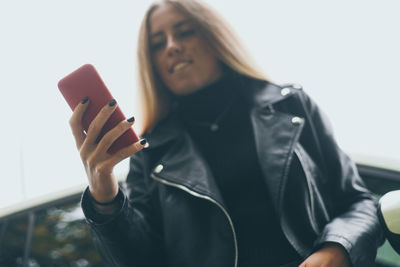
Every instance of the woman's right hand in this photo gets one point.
(98, 163)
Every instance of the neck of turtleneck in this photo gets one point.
(211, 102)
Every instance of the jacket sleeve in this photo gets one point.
(131, 236)
(354, 222)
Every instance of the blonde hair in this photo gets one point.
(219, 36)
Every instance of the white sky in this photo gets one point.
(345, 54)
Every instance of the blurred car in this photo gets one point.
(47, 232)
(52, 231)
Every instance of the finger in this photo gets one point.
(98, 122)
(112, 135)
(75, 122)
(127, 152)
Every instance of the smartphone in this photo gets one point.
(86, 82)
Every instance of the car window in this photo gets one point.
(59, 236)
(387, 256)
(12, 239)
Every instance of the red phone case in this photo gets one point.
(85, 81)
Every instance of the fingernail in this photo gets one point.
(143, 142)
(112, 103)
(84, 100)
(131, 119)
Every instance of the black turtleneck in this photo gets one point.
(231, 154)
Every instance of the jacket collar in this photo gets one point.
(261, 95)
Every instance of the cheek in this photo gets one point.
(159, 65)
(205, 57)
(207, 65)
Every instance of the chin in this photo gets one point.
(185, 88)
(184, 91)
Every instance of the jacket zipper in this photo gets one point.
(193, 193)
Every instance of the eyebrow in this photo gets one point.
(175, 26)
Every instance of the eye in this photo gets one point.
(157, 46)
(186, 33)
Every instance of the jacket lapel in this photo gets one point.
(276, 134)
(183, 164)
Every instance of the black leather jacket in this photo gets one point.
(172, 213)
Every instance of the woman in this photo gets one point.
(239, 171)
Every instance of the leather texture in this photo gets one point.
(173, 213)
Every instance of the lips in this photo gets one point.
(179, 65)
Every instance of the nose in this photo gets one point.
(174, 46)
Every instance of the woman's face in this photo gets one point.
(181, 56)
